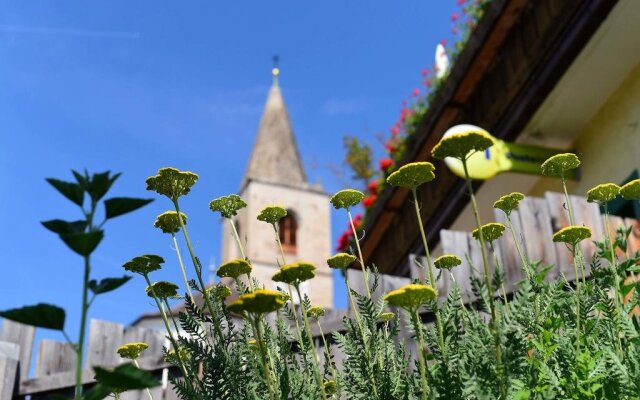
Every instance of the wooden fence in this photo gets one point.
(54, 371)
(536, 218)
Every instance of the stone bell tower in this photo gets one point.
(275, 175)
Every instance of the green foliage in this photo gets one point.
(107, 284)
(41, 315)
(125, 377)
(359, 157)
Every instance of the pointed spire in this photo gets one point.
(275, 157)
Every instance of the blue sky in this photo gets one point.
(135, 86)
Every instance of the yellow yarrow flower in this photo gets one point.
(132, 350)
(341, 260)
(386, 316)
(572, 234)
(490, 231)
(411, 297)
(168, 221)
(260, 301)
(233, 269)
(295, 273)
(315, 312)
(162, 290)
(559, 164)
(603, 193)
(631, 190)
(412, 175)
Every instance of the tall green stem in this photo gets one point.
(487, 277)
(172, 339)
(263, 354)
(135, 362)
(525, 262)
(198, 269)
(567, 200)
(182, 268)
(575, 271)
(83, 324)
(429, 269)
(314, 354)
(365, 271)
(613, 262)
(417, 325)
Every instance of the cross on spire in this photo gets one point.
(275, 72)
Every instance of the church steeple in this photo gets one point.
(275, 157)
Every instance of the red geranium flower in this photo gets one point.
(443, 42)
(395, 130)
(385, 164)
(373, 187)
(454, 30)
(391, 145)
(369, 200)
(454, 17)
(424, 72)
(416, 92)
(461, 2)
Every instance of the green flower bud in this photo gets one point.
(386, 316)
(315, 312)
(172, 182)
(509, 202)
(162, 290)
(346, 198)
(461, 145)
(447, 261)
(227, 206)
(143, 265)
(272, 214)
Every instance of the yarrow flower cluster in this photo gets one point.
(162, 290)
(411, 297)
(234, 269)
(172, 182)
(346, 198)
(631, 190)
(294, 274)
(603, 193)
(412, 175)
(168, 221)
(272, 214)
(509, 202)
(145, 264)
(572, 235)
(260, 301)
(490, 232)
(461, 145)
(341, 260)
(560, 164)
(227, 206)
(132, 350)
(447, 261)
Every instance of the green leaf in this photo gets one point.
(98, 392)
(64, 227)
(41, 315)
(83, 243)
(125, 377)
(72, 191)
(117, 206)
(107, 284)
(100, 183)
(83, 180)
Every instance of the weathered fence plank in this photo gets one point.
(9, 357)
(537, 231)
(104, 338)
(22, 335)
(506, 247)
(54, 357)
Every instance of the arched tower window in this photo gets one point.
(288, 229)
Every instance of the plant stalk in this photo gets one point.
(365, 271)
(417, 325)
(83, 324)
